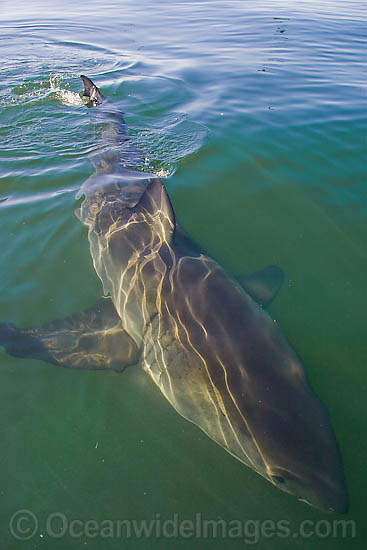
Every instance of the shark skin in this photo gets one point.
(202, 336)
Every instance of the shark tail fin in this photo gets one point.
(91, 90)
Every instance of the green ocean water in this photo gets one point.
(254, 115)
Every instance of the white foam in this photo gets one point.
(66, 97)
(163, 173)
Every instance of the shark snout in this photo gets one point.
(325, 494)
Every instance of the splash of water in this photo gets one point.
(160, 172)
(65, 96)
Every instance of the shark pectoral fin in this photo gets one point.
(93, 339)
(263, 285)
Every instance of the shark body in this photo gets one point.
(202, 337)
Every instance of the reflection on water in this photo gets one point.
(257, 113)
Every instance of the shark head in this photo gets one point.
(295, 439)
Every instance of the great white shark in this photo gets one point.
(202, 336)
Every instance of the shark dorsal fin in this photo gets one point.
(156, 205)
(91, 91)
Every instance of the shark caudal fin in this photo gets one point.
(91, 91)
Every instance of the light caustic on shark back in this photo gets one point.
(203, 337)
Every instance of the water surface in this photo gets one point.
(255, 116)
